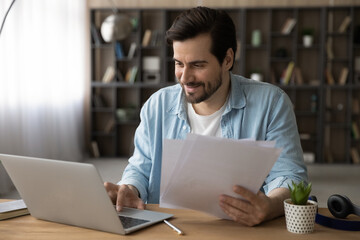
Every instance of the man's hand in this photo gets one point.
(124, 196)
(254, 209)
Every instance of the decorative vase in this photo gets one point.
(307, 40)
(300, 218)
(256, 38)
(256, 77)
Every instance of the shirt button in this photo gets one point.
(184, 127)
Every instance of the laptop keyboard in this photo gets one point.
(129, 222)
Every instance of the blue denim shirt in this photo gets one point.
(254, 110)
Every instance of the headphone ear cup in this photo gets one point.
(339, 206)
(313, 198)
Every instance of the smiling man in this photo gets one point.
(210, 100)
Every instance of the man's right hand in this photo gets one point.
(124, 196)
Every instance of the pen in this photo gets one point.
(173, 227)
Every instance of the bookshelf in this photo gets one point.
(324, 84)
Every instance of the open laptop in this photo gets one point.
(72, 193)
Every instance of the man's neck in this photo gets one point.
(216, 101)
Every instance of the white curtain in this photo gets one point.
(42, 79)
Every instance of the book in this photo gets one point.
(133, 75)
(357, 63)
(95, 149)
(98, 101)
(155, 37)
(13, 209)
(343, 76)
(282, 77)
(344, 24)
(288, 25)
(355, 155)
(329, 77)
(119, 52)
(132, 50)
(147, 37)
(330, 21)
(355, 130)
(120, 75)
(285, 78)
(95, 35)
(329, 50)
(109, 74)
(130, 76)
(110, 125)
(298, 76)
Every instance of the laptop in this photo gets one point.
(72, 193)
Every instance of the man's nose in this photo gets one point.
(186, 76)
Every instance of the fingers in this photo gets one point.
(126, 197)
(112, 190)
(256, 200)
(241, 211)
(122, 195)
(248, 210)
(245, 193)
(235, 214)
(140, 204)
(236, 203)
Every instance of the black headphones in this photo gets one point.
(340, 207)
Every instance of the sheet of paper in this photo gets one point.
(207, 167)
(171, 153)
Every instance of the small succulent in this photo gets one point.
(308, 31)
(299, 192)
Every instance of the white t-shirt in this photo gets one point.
(208, 125)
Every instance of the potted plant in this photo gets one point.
(299, 211)
(308, 37)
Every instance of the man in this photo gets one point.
(210, 100)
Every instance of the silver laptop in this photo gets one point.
(72, 193)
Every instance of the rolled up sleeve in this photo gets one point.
(138, 171)
(283, 129)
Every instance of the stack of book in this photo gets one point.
(288, 25)
(12, 209)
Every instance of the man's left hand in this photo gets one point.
(253, 209)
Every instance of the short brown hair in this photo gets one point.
(200, 20)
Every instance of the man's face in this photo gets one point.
(197, 70)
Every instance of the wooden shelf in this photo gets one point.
(328, 130)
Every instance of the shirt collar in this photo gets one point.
(237, 97)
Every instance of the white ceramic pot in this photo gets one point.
(308, 40)
(300, 218)
(256, 77)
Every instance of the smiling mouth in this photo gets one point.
(192, 87)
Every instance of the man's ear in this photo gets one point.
(229, 59)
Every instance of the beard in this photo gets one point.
(209, 88)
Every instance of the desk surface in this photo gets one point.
(195, 225)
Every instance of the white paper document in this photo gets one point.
(196, 171)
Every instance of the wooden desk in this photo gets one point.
(195, 225)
